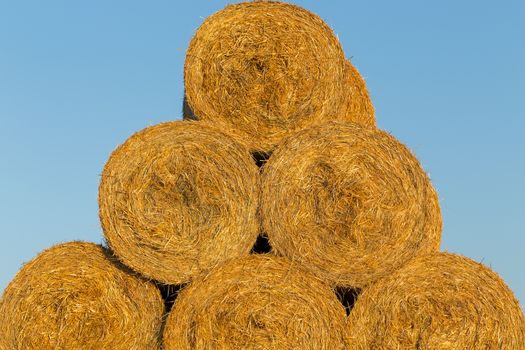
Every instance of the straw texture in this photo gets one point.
(359, 108)
(72, 296)
(256, 302)
(440, 301)
(178, 198)
(350, 203)
(268, 69)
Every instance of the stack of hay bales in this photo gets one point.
(339, 208)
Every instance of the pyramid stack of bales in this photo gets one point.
(275, 216)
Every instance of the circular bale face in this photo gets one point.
(440, 301)
(72, 296)
(268, 69)
(178, 198)
(256, 302)
(350, 203)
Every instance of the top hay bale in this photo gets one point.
(75, 296)
(267, 69)
(178, 198)
(439, 301)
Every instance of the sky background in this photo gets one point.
(77, 78)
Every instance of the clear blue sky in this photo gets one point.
(77, 78)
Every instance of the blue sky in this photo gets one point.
(77, 78)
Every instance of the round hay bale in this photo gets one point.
(73, 296)
(350, 203)
(440, 301)
(256, 302)
(359, 107)
(178, 198)
(266, 68)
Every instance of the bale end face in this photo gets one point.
(178, 198)
(351, 203)
(438, 301)
(267, 69)
(73, 296)
(256, 302)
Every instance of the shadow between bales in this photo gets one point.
(169, 294)
(113, 259)
(187, 112)
(261, 157)
(262, 245)
(347, 297)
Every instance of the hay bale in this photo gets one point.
(350, 203)
(73, 296)
(359, 108)
(266, 68)
(439, 301)
(178, 198)
(256, 302)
